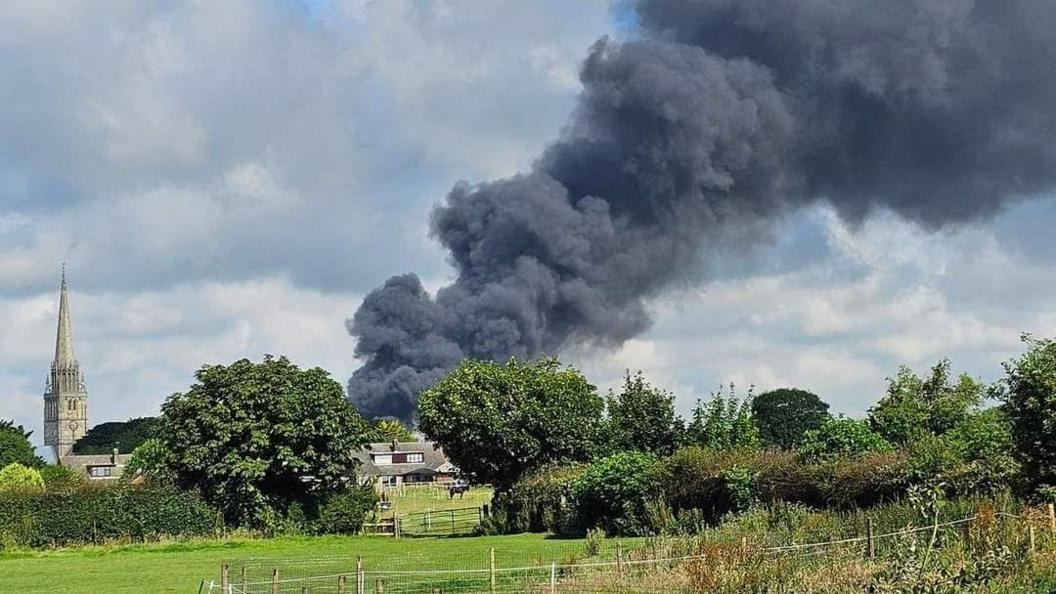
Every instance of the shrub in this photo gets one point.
(96, 515)
(150, 460)
(60, 478)
(612, 492)
(696, 478)
(16, 478)
(841, 436)
(540, 502)
(344, 513)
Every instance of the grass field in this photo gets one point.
(419, 499)
(179, 567)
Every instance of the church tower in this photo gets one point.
(65, 397)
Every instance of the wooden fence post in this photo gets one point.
(224, 582)
(1030, 537)
(553, 577)
(493, 570)
(361, 582)
(452, 521)
(744, 546)
(275, 580)
(1052, 518)
(619, 558)
(341, 588)
(870, 544)
(242, 581)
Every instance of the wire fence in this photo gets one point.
(611, 568)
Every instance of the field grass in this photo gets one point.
(419, 499)
(179, 567)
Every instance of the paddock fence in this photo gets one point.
(650, 566)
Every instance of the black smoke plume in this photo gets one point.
(720, 118)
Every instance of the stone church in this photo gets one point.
(66, 404)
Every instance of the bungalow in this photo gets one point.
(408, 463)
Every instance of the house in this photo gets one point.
(97, 467)
(402, 464)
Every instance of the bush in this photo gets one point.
(60, 478)
(612, 493)
(841, 436)
(539, 502)
(150, 460)
(97, 515)
(697, 478)
(344, 513)
(16, 478)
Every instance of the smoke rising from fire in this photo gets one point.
(722, 117)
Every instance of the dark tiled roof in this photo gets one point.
(434, 460)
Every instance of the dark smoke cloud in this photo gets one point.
(723, 117)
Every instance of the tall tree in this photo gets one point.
(390, 431)
(785, 414)
(15, 447)
(642, 418)
(126, 436)
(1029, 392)
(256, 437)
(915, 406)
(500, 421)
(724, 422)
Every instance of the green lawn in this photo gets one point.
(179, 567)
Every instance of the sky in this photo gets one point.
(229, 179)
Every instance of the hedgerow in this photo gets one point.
(96, 515)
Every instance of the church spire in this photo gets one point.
(64, 357)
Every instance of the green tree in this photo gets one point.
(151, 460)
(389, 431)
(612, 492)
(724, 422)
(642, 417)
(785, 414)
(126, 436)
(1029, 392)
(915, 406)
(16, 448)
(840, 436)
(17, 478)
(498, 422)
(257, 439)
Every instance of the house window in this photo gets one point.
(100, 471)
(383, 459)
(416, 458)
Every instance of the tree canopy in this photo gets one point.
(498, 422)
(126, 436)
(840, 436)
(15, 447)
(390, 430)
(915, 406)
(1029, 392)
(255, 437)
(724, 422)
(642, 417)
(785, 414)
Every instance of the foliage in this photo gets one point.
(642, 417)
(612, 492)
(539, 502)
(96, 515)
(841, 436)
(1029, 392)
(15, 446)
(497, 422)
(126, 436)
(345, 512)
(255, 438)
(61, 478)
(785, 414)
(16, 478)
(390, 431)
(150, 460)
(914, 406)
(724, 422)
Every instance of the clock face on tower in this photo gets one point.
(72, 425)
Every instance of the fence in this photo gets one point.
(622, 572)
(463, 520)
